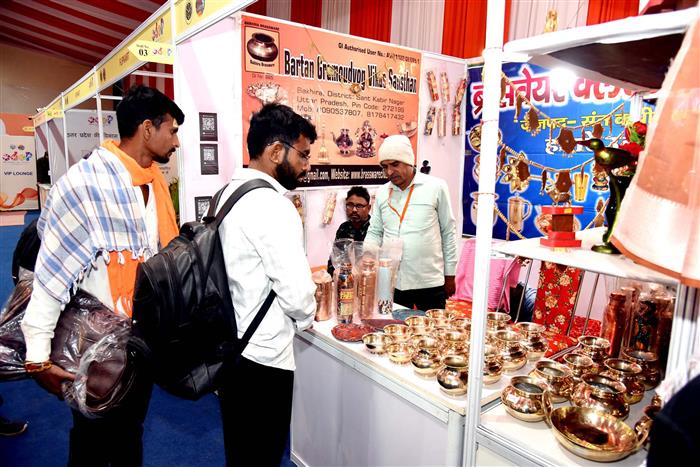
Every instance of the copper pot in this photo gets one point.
(595, 347)
(526, 399)
(580, 365)
(426, 360)
(513, 352)
(454, 375)
(627, 373)
(601, 393)
(493, 365)
(649, 361)
(557, 378)
(262, 47)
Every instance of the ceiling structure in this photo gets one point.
(83, 31)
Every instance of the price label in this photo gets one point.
(149, 51)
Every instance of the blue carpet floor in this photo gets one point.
(177, 432)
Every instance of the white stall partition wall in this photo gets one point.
(444, 154)
(208, 81)
(57, 152)
(83, 133)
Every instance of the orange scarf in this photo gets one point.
(122, 277)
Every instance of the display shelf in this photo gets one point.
(420, 390)
(584, 258)
(534, 442)
(609, 52)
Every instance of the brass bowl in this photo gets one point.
(454, 375)
(649, 361)
(595, 435)
(496, 321)
(557, 378)
(442, 323)
(493, 365)
(536, 346)
(462, 324)
(400, 352)
(455, 341)
(528, 329)
(399, 332)
(627, 373)
(580, 364)
(603, 394)
(438, 313)
(419, 322)
(416, 338)
(426, 361)
(526, 399)
(376, 342)
(595, 347)
(513, 352)
(423, 341)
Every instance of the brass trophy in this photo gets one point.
(322, 151)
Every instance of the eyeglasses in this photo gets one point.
(352, 206)
(306, 157)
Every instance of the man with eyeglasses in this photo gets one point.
(262, 243)
(415, 208)
(357, 208)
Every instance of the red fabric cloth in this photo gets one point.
(461, 308)
(259, 8)
(556, 296)
(371, 19)
(464, 27)
(602, 11)
(307, 12)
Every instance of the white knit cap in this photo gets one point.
(397, 148)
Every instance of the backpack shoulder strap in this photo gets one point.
(250, 185)
(243, 342)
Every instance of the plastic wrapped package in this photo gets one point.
(388, 264)
(105, 374)
(364, 261)
(12, 348)
(343, 281)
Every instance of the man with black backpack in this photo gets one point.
(262, 242)
(111, 211)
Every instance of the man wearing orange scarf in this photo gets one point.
(109, 212)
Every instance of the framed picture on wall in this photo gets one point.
(208, 127)
(209, 159)
(201, 206)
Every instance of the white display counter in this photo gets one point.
(352, 407)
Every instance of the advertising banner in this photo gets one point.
(18, 163)
(355, 91)
(535, 170)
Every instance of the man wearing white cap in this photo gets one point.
(415, 208)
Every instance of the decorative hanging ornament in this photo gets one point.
(597, 131)
(502, 159)
(563, 182)
(610, 122)
(503, 87)
(517, 173)
(518, 107)
(550, 24)
(566, 140)
(544, 182)
(532, 122)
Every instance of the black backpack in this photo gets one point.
(183, 316)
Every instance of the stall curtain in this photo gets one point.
(336, 15)
(528, 17)
(659, 219)
(307, 12)
(464, 27)
(280, 9)
(258, 8)
(371, 19)
(602, 11)
(418, 24)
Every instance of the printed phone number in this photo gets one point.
(340, 111)
(385, 115)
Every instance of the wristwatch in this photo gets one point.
(36, 367)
